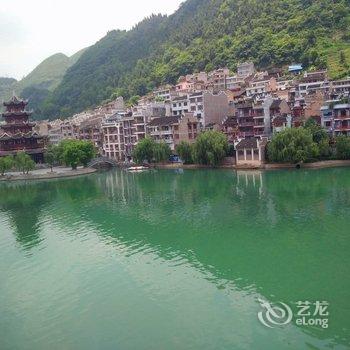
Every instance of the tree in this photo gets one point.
(88, 152)
(75, 152)
(318, 132)
(342, 147)
(210, 148)
(6, 163)
(161, 152)
(24, 162)
(184, 150)
(292, 146)
(320, 137)
(51, 156)
(144, 150)
(72, 155)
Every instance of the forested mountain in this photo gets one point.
(38, 84)
(203, 35)
(49, 73)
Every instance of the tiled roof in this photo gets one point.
(164, 121)
(275, 104)
(247, 144)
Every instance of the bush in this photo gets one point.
(210, 148)
(51, 156)
(24, 163)
(292, 146)
(342, 147)
(148, 150)
(184, 150)
(144, 150)
(6, 163)
(161, 152)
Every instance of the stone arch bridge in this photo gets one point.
(103, 162)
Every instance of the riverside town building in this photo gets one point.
(244, 105)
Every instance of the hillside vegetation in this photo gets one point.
(38, 84)
(203, 35)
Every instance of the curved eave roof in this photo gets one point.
(6, 136)
(17, 114)
(4, 126)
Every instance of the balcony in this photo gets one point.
(342, 116)
(259, 125)
(246, 124)
(162, 133)
(342, 127)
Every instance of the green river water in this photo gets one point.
(174, 260)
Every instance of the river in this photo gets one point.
(175, 260)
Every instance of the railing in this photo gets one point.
(342, 117)
(247, 124)
(342, 127)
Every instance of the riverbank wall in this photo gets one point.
(47, 176)
(264, 166)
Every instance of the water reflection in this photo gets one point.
(23, 205)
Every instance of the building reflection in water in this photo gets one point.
(23, 203)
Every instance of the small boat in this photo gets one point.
(137, 169)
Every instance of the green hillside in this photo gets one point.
(49, 73)
(38, 85)
(206, 34)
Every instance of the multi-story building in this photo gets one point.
(335, 117)
(234, 82)
(245, 119)
(180, 105)
(341, 116)
(140, 122)
(341, 86)
(196, 102)
(90, 130)
(259, 119)
(113, 137)
(327, 120)
(280, 115)
(230, 129)
(245, 69)
(261, 87)
(217, 79)
(216, 108)
(164, 92)
(313, 81)
(55, 135)
(173, 130)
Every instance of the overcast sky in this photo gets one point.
(32, 30)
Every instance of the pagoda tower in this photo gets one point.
(17, 134)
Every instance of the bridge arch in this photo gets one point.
(103, 162)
